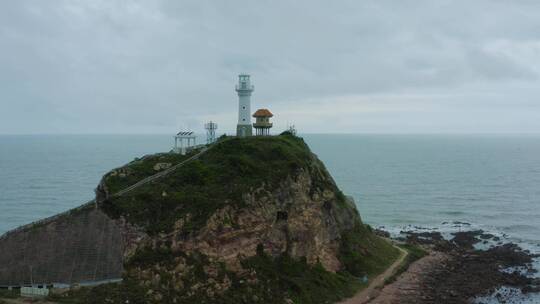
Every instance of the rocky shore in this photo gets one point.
(456, 271)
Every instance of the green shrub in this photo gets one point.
(284, 277)
(9, 294)
(364, 253)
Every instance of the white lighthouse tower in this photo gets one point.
(244, 89)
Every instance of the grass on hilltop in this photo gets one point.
(230, 169)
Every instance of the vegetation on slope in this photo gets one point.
(228, 170)
(364, 253)
(140, 168)
(278, 279)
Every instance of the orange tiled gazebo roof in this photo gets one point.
(263, 113)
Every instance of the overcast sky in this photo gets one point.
(108, 66)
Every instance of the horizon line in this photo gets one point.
(300, 133)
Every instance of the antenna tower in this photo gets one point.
(211, 128)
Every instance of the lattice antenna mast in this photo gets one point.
(292, 129)
(211, 128)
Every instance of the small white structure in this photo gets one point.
(190, 139)
(244, 89)
(33, 292)
(211, 128)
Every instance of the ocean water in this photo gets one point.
(431, 181)
(426, 180)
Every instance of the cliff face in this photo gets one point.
(292, 219)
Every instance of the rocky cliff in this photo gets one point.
(252, 220)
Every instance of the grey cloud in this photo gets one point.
(150, 66)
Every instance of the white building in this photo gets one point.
(244, 89)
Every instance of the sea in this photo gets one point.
(437, 182)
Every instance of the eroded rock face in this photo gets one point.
(292, 219)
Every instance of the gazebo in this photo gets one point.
(262, 123)
(180, 137)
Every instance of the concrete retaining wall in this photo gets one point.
(77, 247)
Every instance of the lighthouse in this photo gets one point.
(244, 89)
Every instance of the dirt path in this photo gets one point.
(372, 291)
(409, 286)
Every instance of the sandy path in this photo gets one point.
(372, 291)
